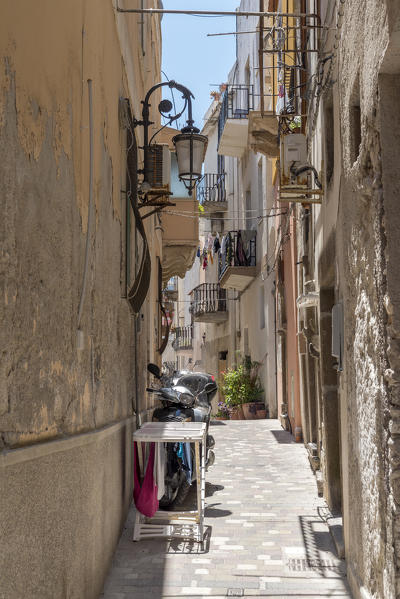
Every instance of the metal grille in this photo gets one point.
(211, 188)
(235, 593)
(208, 298)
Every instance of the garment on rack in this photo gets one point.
(159, 469)
(145, 494)
(183, 452)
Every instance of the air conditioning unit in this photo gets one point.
(159, 167)
(293, 151)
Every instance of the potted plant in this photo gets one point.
(242, 389)
(223, 412)
(252, 390)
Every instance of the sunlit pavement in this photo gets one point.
(267, 536)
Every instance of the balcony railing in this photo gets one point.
(237, 101)
(183, 338)
(212, 188)
(209, 303)
(237, 259)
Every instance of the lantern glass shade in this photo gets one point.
(190, 151)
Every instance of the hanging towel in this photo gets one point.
(145, 496)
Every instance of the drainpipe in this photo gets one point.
(308, 300)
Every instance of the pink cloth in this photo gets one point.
(145, 496)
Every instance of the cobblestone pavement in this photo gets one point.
(266, 531)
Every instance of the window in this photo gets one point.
(355, 122)
(249, 214)
(262, 308)
(329, 139)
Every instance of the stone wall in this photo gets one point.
(67, 405)
(364, 252)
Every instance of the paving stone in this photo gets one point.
(266, 535)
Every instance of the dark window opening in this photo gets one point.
(355, 122)
(329, 143)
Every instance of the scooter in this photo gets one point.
(190, 401)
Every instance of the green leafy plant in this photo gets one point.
(241, 384)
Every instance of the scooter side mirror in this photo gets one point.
(154, 370)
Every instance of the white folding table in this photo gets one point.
(183, 524)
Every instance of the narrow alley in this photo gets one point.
(266, 529)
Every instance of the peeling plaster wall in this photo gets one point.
(49, 389)
(364, 254)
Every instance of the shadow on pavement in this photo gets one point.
(190, 546)
(283, 437)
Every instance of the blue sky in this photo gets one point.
(192, 58)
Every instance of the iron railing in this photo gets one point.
(238, 248)
(208, 298)
(211, 188)
(183, 338)
(236, 103)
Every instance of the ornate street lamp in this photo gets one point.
(190, 146)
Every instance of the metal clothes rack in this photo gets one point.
(184, 524)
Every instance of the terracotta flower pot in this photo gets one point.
(237, 413)
(261, 411)
(219, 418)
(250, 410)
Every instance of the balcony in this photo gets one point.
(171, 289)
(237, 260)
(233, 122)
(183, 338)
(211, 192)
(209, 303)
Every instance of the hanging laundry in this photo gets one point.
(223, 253)
(145, 494)
(198, 252)
(183, 452)
(241, 258)
(217, 244)
(205, 259)
(187, 462)
(248, 236)
(228, 249)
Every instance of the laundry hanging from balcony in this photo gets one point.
(238, 249)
